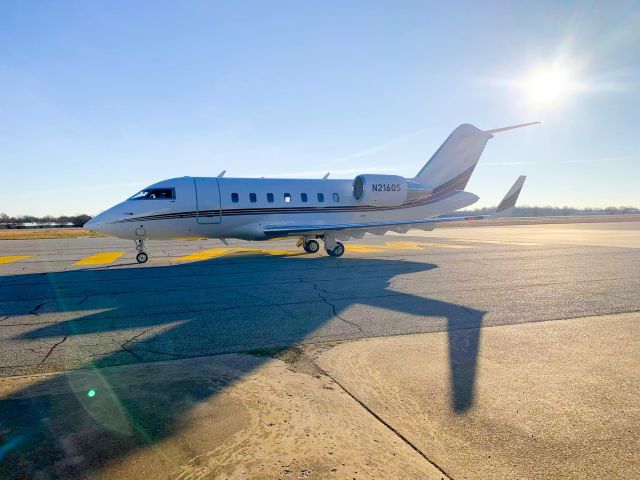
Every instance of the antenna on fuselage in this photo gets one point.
(221, 174)
(326, 176)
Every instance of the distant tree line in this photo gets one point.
(77, 220)
(561, 211)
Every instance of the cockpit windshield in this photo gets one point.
(155, 194)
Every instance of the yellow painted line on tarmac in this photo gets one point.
(362, 248)
(498, 242)
(421, 245)
(204, 255)
(100, 258)
(221, 252)
(403, 245)
(446, 245)
(14, 258)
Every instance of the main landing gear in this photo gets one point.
(331, 246)
(142, 256)
(337, 251)
(309, 245)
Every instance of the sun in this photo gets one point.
(548, 85)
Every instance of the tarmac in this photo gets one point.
(485, 352)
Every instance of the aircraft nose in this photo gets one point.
(94, 225)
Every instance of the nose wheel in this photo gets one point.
(142, 256)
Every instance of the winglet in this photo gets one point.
(504, 129)
(509, 201)
(221, 174)
(326, 175)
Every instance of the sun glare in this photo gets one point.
(548, 86)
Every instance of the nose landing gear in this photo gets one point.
(142, 256)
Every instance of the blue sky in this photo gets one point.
(99, 99)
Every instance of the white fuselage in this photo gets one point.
(241, 208)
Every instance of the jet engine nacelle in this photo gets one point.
(380, 190)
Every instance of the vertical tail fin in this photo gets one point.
(453, 163)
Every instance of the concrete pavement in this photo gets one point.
(404, 359)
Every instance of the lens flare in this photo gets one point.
(549, 85)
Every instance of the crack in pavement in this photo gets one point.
(320, 292)
(125, 348)
(52, 349)
(34, 311)
(377, 417)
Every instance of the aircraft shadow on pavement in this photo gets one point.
(71, 435)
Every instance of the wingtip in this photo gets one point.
(509, 201)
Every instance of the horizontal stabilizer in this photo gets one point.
(509, 201)
(504, 129)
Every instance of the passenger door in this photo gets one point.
(207, 200)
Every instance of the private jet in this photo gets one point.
(313, 210)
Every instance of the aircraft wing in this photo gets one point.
(377, 228)
(357, 230)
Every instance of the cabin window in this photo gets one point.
(270, 197)
(321, 197)
(287, 198)
(155, 194)
(303, 197)
(234, 197)
(336, 197)
(253, 198)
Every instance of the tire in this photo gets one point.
(311, 246)
(337, 251)
(142, 257)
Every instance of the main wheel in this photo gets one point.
(311, 246)
(142, 257)
(337, 251)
